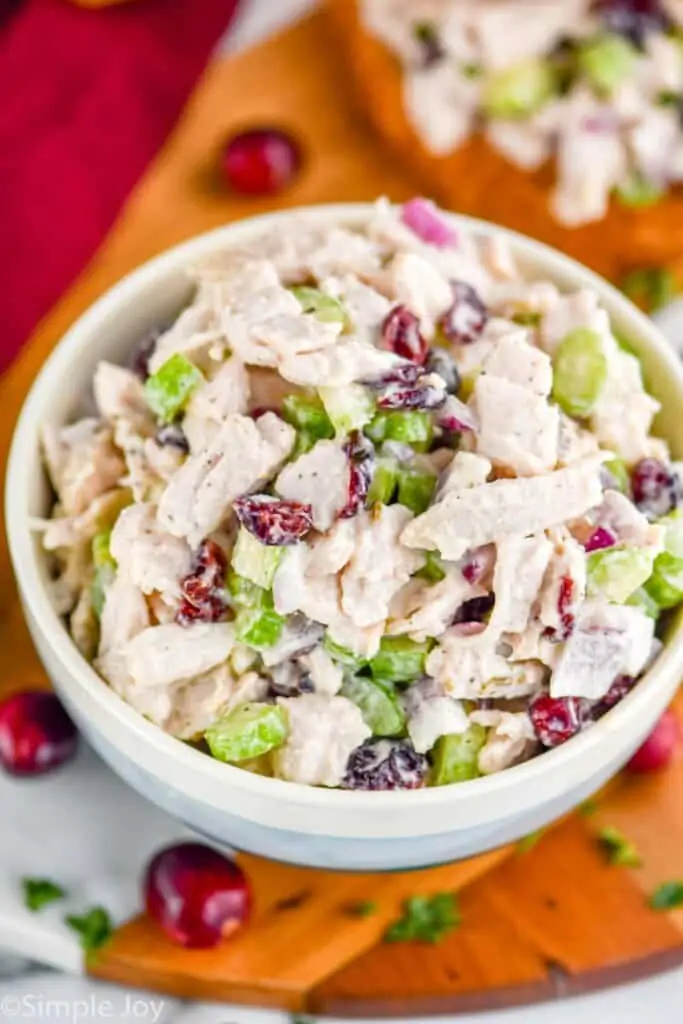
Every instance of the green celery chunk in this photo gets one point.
(246, 594)
(606, 61)
(641, 599)
(168, 390)
(637, 192)
(307, 413)
(105, 569)
(528, 318)
(650, 288)
(415, 489)
(665, 585)
(616, 573)
(101, 550)
(378, 703)
(248, 731)
(323, 307)
(399, 660)
(258, 627)
(414, 428)
(455, 757)
(673, 537)
(255, 561)
(519, 91)
(579, 371)
(618, 469)
(348, 408)
(384, 480)
(343, 656)
(433, 568)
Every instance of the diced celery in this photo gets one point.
(528, 318)
(378, 703)
(414, 428)
(348, 408)
(673, 537)
(384, 479)
(650, 287)
(519, 91)
(433, 568)
(105, 568)
(618, 469)
(615, 573)
(607, 60)
(323, 307)
(248, 731)
(343, 656)
(579, 371)
(101, 551)
(641, 599)
(168, 390)
(246, 594)
(258, 627)
(665, 585)
(637, 191)
(256, 561)
(399, 660)
(307, 414)
(415, 489)
(456, 756)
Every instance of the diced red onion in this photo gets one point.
(421, 216)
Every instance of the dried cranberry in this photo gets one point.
(556, 719)
(565, 603)
(404, 373)
(361, 455)
(386, 764)
(36, 734)
(196, 894)
(422, 396)
(475, 610)
(261, 410)
(274, 521)
(635, 19)
(401, 334)
(658, 749)
(203, 589)
(465, 319)
(261, 161)
(289, 679)
(656, 488)
(440, 361)
(143, 353)
(600, 538)
(173, 436)
(617, 691)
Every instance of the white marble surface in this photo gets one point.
(87, 830)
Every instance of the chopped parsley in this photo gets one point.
(650, 287)
(527, 843)
(40, 892)
(618, 848)
(94, 928)
(361, 908)
(668, 896)
(587, 808)
(426, 919)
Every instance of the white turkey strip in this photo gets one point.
(326, 675)
(621, 517)
(212, 402)
(338, 365)
(489, 512)
(465, 470)
(510, 739)
(607, 640)
(244, 455)
(153, 559)
(517, 428)
(431, 714)
(118, 392)
(521, 563)
(472, 672)
(162, 655)
(423, 609)
(564, 586)
(323, 732)
(319, 478)
(622, 417)
(514, 359)
(417, 284)
(83, 463)
(194, 333)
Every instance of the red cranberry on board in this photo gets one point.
(658, 749)
(274, 521)
(401, 335)
(196, 894)
(36, 733)
(261, 161)
(556, 719)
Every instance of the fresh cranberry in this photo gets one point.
(656, 488)
(361, 455)
(196, 894)
(440, 361)
(36, 734)
(401, 334)
(386, 764)
(474, 610)
(556, 719)
(203, 589)
(261, 161)
(274, 521)
(143, 353)
(465, 319)
(635, 19)
(616, 693)
(658, 749)
(173, 436)
(600, 538)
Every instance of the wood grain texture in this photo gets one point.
(555, 920)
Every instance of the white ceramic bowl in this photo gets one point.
(281, 820)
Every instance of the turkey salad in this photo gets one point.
(375, 512)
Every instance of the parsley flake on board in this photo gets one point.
(426, 919)
(94, 927)
(361, 908)
(527, 843)
(40, 892)
(668, 896)
(618, 848)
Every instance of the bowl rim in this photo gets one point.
(25, 557)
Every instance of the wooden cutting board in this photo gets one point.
(540, 924)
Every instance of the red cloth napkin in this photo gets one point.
(88, 97)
